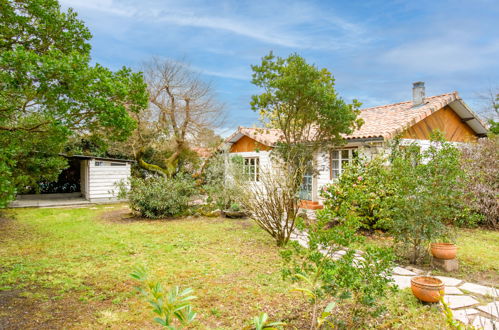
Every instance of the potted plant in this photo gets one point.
(234, 212)
(427, 288)
(444, 251)
(444, 248)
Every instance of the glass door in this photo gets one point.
(306, 187)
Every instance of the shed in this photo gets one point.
(88, 179)
(99, 177)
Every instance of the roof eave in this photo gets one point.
(469, 116)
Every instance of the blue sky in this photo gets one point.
(375, 49)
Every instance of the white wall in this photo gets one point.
(102, 179)
(84, 178)
(322, 158)
(264, 159)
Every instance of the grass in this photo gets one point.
(66, 267)
(478, 253)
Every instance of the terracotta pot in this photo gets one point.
(444, 251)
(426, 288)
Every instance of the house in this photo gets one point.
(413, 121)
(87, 180)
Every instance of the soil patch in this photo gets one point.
(20, 311)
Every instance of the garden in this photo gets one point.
(198, 245)
(70, 267)
(171, 249)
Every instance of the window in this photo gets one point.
(99, 163)
(118, 164)
(251, 168)
(340, 158)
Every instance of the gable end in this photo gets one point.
(447, 121)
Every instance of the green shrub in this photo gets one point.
(361, 191)
(221, 182)
(158, 197)
(428, 195)
(325, 278)
(172, 306)
(235, 207)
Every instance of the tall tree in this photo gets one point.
(49, 91)
(181, 106)
(299, 99)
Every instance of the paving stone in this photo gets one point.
(491, 308)
(455, 302)
(449, 281)
(452, 290)
(302, 242)
(402, 281)
(465, 315)
(480, 289)
(415, 270)
(402, 271)
(341, 252)
(485, 323)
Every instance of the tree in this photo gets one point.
(181, 106)
(299, 99)
(207, 138)
(49, 91)
(272, 202)
(427, 194)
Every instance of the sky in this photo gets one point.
(375, 49)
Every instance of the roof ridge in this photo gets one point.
(405, 102)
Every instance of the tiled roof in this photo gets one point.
(203, 152)
(379, 122)
(388, 120)
(266, 136)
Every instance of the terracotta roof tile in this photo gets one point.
(203, 152)
(379, 122)
(388, 120)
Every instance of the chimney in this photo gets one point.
(418, 93)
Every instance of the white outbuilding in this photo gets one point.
(88, 179)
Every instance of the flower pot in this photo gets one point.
(426, 288)
(233, 214)
(444, 251)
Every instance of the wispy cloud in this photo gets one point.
(374, 48)
(285, 29)
(439, 56)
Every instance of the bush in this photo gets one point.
(222, 191)
(327, 279)
(415, 197)
(427, 195)
(362, 191)
(480, 161)
(159, 197)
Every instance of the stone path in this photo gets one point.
(472, 304)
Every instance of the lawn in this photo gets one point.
(478, 254)
(65, 268)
